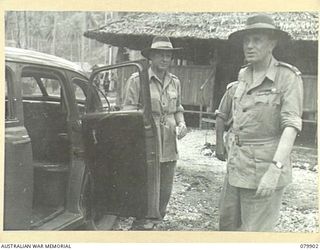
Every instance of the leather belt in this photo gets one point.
(245, 141)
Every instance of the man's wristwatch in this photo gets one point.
(278, 164)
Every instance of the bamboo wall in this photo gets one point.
(192, 78)
(310, 94)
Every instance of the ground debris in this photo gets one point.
(199, 179)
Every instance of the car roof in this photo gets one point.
(35, 57)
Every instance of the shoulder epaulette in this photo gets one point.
(245, 66)
(135, 74)
(291, 67)
(242, 71)
(174, 76)
(231, 84)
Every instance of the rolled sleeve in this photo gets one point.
(225, 107)
(179, 99)
(179, 108)
(221, 115)
(292, 104)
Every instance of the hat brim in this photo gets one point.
(146, 52)
(237, 36)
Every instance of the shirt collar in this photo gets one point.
(152, 74)
(272, 70)
(270, 74)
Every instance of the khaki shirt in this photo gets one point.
(225, 107)
(260, 113)
(167, 110)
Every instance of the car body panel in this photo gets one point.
(18, 182)
(38, 58)
(79, 160)
(18, 179)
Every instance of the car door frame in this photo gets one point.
(151, 142)
(18, 179)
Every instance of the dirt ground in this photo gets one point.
(198, 182)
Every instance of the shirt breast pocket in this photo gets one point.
(172, 94)
(267, 109)
(269, 99)
(155, 105)
(172, 100)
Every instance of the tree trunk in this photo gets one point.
(12, 35)
(106, 54)
(53, 48)
(18, 29)
(26, 33)
(71, 50)
(89, 48)
(38, 43)
(6, 20)
(79, 47)
(89, 40)
(82, 37)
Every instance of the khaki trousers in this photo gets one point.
(240, 210)
(167, 170)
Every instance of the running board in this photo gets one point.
(65, 221)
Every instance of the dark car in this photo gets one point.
(73, 154)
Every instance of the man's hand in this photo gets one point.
(182, 130)
(220, 152)
(268, 182)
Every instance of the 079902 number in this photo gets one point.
(308, 246)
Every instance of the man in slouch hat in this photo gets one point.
(265, 106)
(167, 111)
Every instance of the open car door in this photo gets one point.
(121, 145)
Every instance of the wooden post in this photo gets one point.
(200, 116)
(214, 66)
(211, 78)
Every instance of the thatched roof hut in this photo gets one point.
(134, 30)
(204, 39)
(201, 33)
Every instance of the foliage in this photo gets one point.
(58, 33)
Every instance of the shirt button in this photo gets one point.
(163, 104)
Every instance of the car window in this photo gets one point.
(79, 92)
(6, 89)
(52, 86)
(37, 86)
(30, 87)
(7, 110)
(45, 84)
(82, 95)
(10, 113)
(112, 85)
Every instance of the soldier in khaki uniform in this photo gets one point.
(167, 111)
(224, 121)
(266, 109)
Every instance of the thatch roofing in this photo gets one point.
(135, 30)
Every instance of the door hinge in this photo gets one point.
(78, 152)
